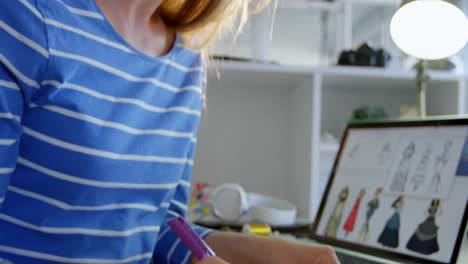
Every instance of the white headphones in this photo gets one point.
(230, 203)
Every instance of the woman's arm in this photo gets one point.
(23, 61)
(246, 249)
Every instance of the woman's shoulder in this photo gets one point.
(184, 54)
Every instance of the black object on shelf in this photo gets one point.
(347, 58)
(382, 58)
(365, 55)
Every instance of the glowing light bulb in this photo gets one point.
(429, 29)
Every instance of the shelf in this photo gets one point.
(384, 73)
(259, 67)
(254, 74)
(354, 71)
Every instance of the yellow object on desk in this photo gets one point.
(257, 229)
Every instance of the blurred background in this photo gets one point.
(281, 93)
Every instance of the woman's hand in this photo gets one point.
(247, 249)
(285, 251)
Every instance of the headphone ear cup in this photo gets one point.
(229, 202)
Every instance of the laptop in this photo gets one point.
(397, 193)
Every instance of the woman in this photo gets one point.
(372, 206)
(401, 175)
(390, 236)
(351, 219)
(440, 164)
(331, 230)
(424, 240)
(99, 106)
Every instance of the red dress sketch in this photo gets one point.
(351, 220)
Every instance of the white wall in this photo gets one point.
(295, 39)
(242, 138)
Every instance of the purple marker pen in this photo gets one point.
(184, 231)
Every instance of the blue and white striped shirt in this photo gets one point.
(96, 138)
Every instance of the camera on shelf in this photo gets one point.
(365, 55)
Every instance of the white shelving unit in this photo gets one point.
(263, 124)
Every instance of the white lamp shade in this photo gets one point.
(429, 29)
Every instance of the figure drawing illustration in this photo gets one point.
(418, 178)
(372, 206)
(424, 239)
(334, 222)
(384, 154)
(351, 219)
(390, 236)
(440, 164)
(401, 175)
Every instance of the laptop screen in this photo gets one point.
(399, 190)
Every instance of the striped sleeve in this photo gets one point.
(169, 248)
(23, 60)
